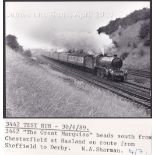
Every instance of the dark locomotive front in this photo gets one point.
(110, 67)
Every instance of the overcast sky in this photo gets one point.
(34, 22)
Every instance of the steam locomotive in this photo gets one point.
(103, 66)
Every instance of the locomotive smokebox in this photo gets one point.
(117, 62)
(113, 62)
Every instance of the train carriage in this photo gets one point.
(54, 55)
(76, 60)
(63, 56)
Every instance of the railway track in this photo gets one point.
(138, 85)
(141, 73)
(139, 95)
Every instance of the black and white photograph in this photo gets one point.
(78, 59)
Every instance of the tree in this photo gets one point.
(21, 49)
(11, 41)
(144, 30)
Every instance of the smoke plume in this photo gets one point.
(89, 42)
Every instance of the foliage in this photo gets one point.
(27, 53)
(141, 53)
(20, 48)
(11, 41)
(144, 30)
(147, 42)
(132, 18)
(134, 45)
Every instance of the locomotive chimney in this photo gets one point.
(115, 55)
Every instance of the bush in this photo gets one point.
(141, 53)
(129, 44)
(134, 45)
(11, 41)
(20, 49)
(27, 53)
(147, 43)
(144, 30)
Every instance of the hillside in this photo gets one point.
(131, 37)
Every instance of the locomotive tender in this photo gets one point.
(100, 65)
